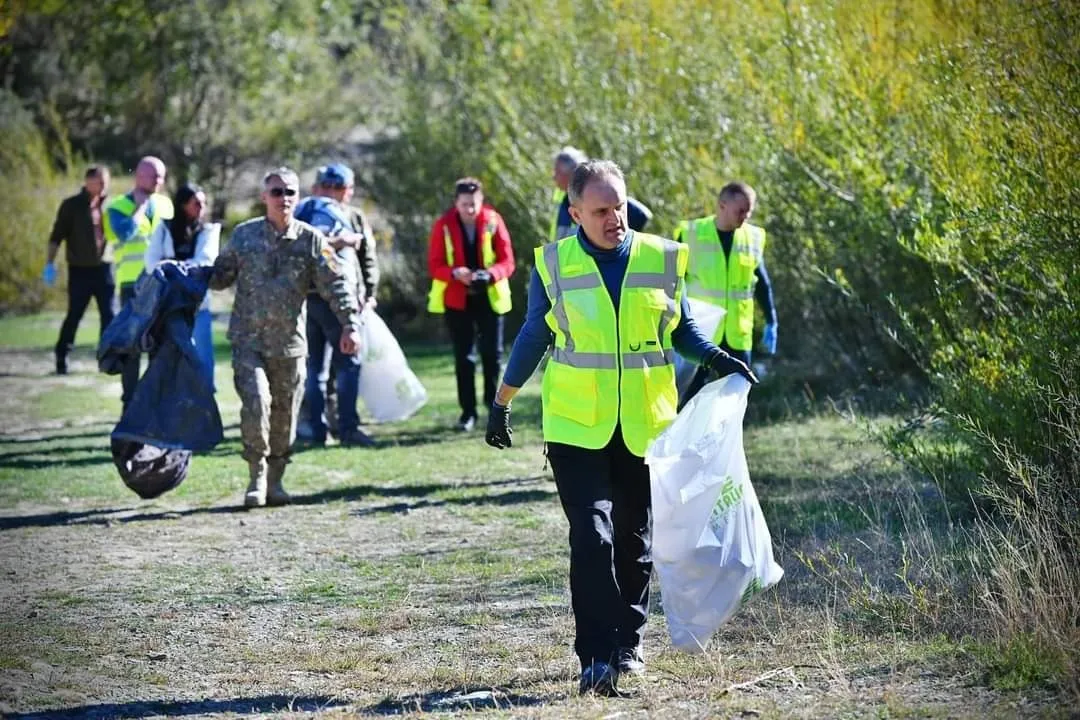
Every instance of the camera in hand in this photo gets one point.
(480, 281)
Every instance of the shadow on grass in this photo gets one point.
(508, 498)
(406, 438)
(106, 516)
(357, 492)
(44, 459)
(16, 440)
(453, 701)
(139, 709)
(75, 454)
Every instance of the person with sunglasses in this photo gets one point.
(273, 261)
(470, 260)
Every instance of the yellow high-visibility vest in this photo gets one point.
(128, 255)
(609, 368)
(557, 197)
(498, 292)
(728, 284)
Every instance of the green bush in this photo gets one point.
(31, 189)
(916, 168)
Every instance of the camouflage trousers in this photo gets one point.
(270, 390)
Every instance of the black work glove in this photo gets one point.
(498, 429)
(723, 365)
(481, 278)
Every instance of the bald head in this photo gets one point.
(149, 174)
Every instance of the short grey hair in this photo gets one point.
(588, 171)
(571, 157)
(734, 189)
(286, 175)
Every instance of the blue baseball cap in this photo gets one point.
(338, 175)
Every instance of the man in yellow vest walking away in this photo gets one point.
(727, 269)
(611, 303)
(130, 219)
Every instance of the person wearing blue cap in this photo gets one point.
(349, 236)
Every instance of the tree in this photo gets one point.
(208, 84)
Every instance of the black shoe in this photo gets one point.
(600, 678)
(630, 661)
(356, 438)
(466, 423)
(61, 365)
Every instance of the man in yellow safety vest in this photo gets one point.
(129, 221)
(611, 304)
(727, 269)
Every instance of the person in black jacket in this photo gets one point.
(80, 222)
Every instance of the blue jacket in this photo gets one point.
(323, 213)
(173, 405)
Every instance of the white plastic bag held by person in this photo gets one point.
(708, 318)
(711, 548)
(388, 387)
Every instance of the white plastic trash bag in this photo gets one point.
(390, 390)
(708, 317)
(711, 548)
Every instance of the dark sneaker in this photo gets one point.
(356, 438)
(466, 423)
(630, 661)
(599, 678)
(61, 365)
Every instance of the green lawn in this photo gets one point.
(429, 575)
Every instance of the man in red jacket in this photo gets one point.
(470, 260)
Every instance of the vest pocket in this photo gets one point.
(572, 394)
(661, 393)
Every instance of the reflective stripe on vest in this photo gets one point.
(129, 256)
(729, 284)
(498, 292)
(611, 368)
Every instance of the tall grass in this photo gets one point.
(31, 188)
(1029, 580)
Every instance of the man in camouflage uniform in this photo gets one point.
(274, 260)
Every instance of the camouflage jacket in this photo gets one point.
(369, 263)
(273, 272)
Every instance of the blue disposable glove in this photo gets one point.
(768, 338)
(49, 274)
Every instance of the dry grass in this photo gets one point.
(429, 576)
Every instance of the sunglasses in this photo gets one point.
(466, 188)
(282, 191)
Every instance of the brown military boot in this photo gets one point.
(256, 491)
(275, 492)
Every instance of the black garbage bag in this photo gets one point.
(172, 411)
(148, 470)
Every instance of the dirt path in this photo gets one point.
(387, 592)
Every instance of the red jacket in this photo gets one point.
(439, 265)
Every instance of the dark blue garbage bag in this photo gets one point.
(148, 470)
(172, 411)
